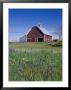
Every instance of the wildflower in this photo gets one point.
(23, 58)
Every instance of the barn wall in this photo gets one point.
(47, 38)
(34, 34)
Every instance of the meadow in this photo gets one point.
(36, 61)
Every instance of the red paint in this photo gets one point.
(35, 35)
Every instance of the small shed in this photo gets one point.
(23, 38)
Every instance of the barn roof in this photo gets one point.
(43, 30)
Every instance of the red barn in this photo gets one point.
(37, 34)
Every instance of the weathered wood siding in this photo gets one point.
(47, 38)
(34, 34)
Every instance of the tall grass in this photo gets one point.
(34, 62)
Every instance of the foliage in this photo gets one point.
(56, 43)
(34, 62)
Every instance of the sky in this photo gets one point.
(22, 20)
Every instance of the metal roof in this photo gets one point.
(43, 30)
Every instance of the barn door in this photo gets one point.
(40, 39)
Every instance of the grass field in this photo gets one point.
(35, 62)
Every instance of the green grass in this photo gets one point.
(35, 62)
